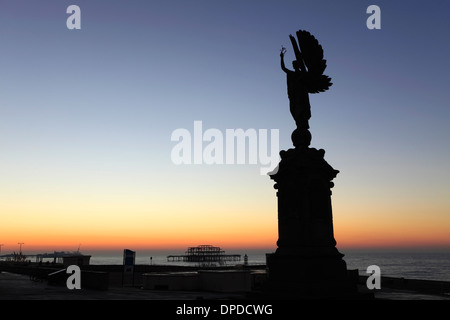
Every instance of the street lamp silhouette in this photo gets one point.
(20, 248)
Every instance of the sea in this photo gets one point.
(410, 264)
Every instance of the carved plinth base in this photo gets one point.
(307, 262)
(315, 276)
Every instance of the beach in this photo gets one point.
(21, 287)
(404, 276)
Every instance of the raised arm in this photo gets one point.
(283, 67)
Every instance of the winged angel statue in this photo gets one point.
(306, 78)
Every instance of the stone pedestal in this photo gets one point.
(306, 261)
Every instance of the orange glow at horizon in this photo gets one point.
(354, 233)
(237, 220)
(391, 226)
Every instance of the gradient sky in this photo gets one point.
(86, 118)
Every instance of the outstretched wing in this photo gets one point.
(312, 56)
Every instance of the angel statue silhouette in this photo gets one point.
(307, 77)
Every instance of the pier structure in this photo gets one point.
(59, 257)
(204, 254)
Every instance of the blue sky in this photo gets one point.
(92, 110)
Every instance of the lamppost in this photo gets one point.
(20, 248)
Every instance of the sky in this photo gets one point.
(87, 116)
